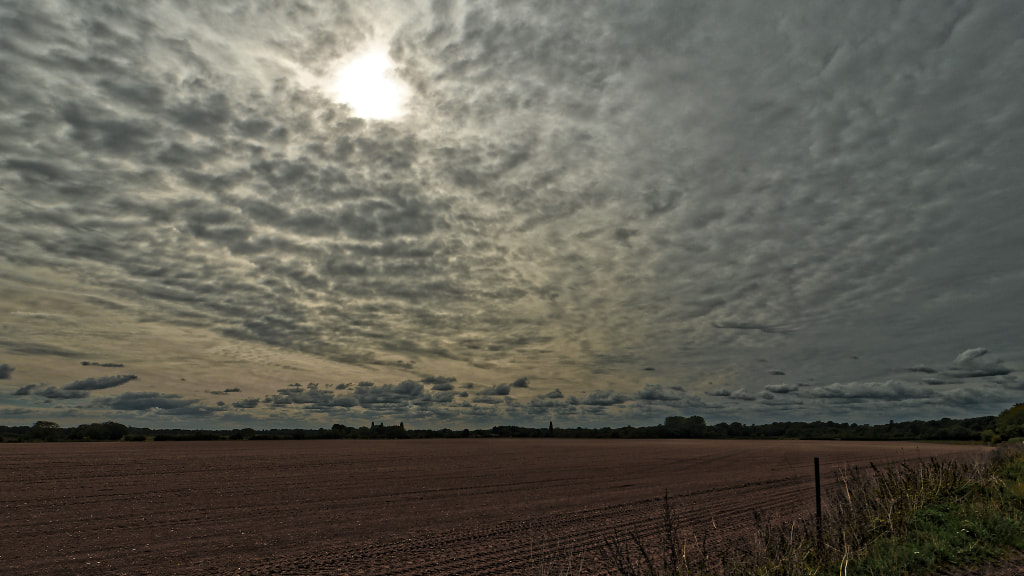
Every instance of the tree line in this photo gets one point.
(990, 429)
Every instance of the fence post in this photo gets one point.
(817, 496)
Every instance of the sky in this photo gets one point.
(468, 214)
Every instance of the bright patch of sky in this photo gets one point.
(370, 86)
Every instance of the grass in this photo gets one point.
(566, 560)
(901, 520)
(672, 554)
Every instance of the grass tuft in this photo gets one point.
(671, 553)
(903, 519)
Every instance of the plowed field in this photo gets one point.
(502, 506)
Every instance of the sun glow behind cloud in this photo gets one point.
(370, 87)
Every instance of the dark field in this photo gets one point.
(503, 506)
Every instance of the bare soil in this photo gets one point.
(415, 507)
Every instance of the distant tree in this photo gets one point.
(1010, 422)
(246, 433)
(681, 427)
(737, 429)
(44, 430)
(339, 431)
(107, 431)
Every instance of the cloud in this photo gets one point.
(969, 364)
(400, 394)
(539, 206)
(246, 403)
(782, 388)
(497, 390)
(600, 398)
(440, 397)
(439, 382)
(975, 397)
(657, 393)
(37, 349)
(75, 390)
(1012, 382)
(490, 399)
(766, 328)
(51, 392)
(5, 371)
(312, 395)
(153, 401)
(408, 388)
(887, 390)
(61, 393)
(743, 395)
(100, 383)
(719, 392)
(550, 405)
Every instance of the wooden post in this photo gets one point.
(817, 497)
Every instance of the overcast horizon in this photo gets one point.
(468, 214)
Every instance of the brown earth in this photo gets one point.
(415, 507)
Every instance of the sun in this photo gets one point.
(369, 86)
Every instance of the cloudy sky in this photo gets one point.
(466, 214)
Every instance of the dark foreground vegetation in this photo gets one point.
(906, 519)
(989, 429)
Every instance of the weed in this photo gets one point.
(903, 519)
(566, 559)
(671, 553)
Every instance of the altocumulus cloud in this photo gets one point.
(76, 389)
(970, 364)
(659, 393)
(100, 383)
(154, 401)
(51, 392)
(367, 395)
(246, 403)
(888, 390)
(600, 398)
(575, 190)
